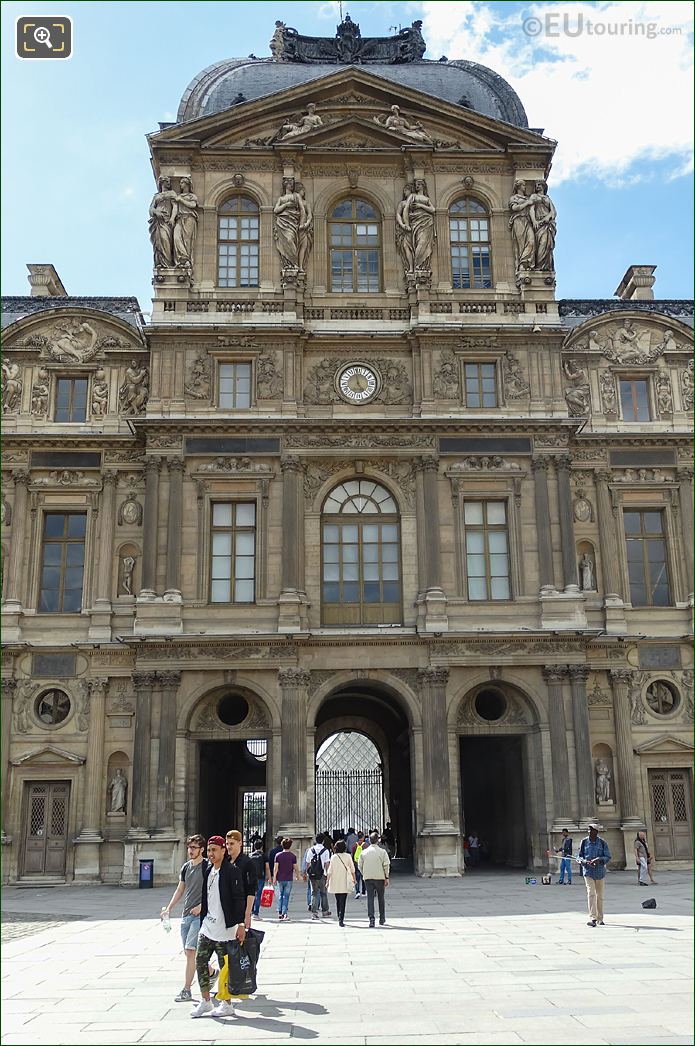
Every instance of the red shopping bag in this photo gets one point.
(267, 896)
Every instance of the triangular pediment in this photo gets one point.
(358, 103)
(665, 744)
(47, 755)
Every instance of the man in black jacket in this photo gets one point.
(247, 868)
(222, 917)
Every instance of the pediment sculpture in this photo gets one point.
(626, 342)
(73, 340)
(393, 121)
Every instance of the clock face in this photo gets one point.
(357, 383)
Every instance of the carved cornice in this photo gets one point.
(293, 678)
(433, 675)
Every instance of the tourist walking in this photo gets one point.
(375, 866)
(356, 852)
(317, 859)
(284, 873)
(566, 859)
(259, 859)
(190, 887)
(641, 860)
(593, 857)
(341, 878)
(222, 915)
(650, 859)
(245, 865)
(474, 849)
(350, 839)
(274, 851)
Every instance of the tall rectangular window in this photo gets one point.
(233, 560)
(71, 399)
(646, 559)
(481, 387)
(235, 385)
(62, 562)
(634, 399)
(487, 550)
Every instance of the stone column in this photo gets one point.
(150, 524)
(87, 865)
(169, 683)
(293, 684)
(569, 556)
(629, 809)
(8, 690)
(173, 564)
(292, 538)
(685, 480)
(546, 573)
(14, 575)
(433, 682)
(428, 535)
(582, 743)
(143, 682)
(608, 537)
(554, 677)
(105, 553)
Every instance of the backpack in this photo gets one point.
(315, 869)
(258, 864)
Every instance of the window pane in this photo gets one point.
(477, 588)
(652, 522)
(77, 525)
(349, 534)
(497, 541)
(496, 512)
(331, 593)
(243, 566)
(632, 522)
(351, 592)
(330, 533)
(392, 592)
(54, 524)
(475, 541)
(389, 553)
(389, 532)
(52, 554)
(243, 592)
(499, 588)
(245, 514)
(221, 544)
(351, 571)
(221, 567)
(473, 512)
(350, 553)
(331, 572)
(75, 555)
(390, 571)
(370, 571)
(72, 601)
(476, 566)
(48, 601)
(499, 566)
(372, 592)
(245, 544)
(370, 553)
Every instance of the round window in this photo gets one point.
(490, 705)
(233, 709)
(258, 749)
(52, 707)
(662, 697)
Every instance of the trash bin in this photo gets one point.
(146, 879)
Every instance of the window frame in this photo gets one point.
(495, 377)
(71, 379)
(234, 530)
(219, 376)
(644, 537)
(354, 249)
(239, 241)
(469, 244)
(633, 378)
(485, 499)
(63, 542)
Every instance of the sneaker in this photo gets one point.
(325, 915)
(203, 1008)
(371, 924)
(184, 996)
(224, 1009)
(601, 922)
(214, 974)
(315, 915)
(591, 922)
(382, 922)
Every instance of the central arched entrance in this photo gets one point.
(363, 764)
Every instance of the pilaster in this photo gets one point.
(291, 602)
(439, 842)
(555, 677)
(578, 675)
(100, 617)
(433, 597)
(12, 605)
(293, 683)
(87, 863)
(613, 598)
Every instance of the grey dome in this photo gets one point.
(218, 87)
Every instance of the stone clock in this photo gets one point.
(357, 383)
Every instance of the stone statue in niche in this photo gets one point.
(118, 791)
(664, 395)
(544, 217)
(609, 397)
(100, 394)
(522, 226)
(417, 226)
(135, 391)
(687, 387)
(306, 230)
(308, 122)
(39, 394)
(587, 572)
(12, 386)
(603, 782)
(578, 395)
(395, 122)
(290, 213)
(185, 225)
(127, 574)
(161, 224)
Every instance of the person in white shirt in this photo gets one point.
(375, 866)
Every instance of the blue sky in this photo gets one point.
(75, 165)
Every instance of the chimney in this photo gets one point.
(45, 282)
(637, 283)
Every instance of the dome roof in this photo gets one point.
(468, 84)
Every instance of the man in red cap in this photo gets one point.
(222, 919)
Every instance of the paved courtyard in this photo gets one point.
(486, 959)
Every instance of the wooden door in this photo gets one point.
(671, 814)
(46, 828)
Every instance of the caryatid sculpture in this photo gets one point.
(415, 229)
(290, 214)
(185, 224)
(522, 225)
(161, 224)
(544, 218)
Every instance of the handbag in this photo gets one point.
(267, 896)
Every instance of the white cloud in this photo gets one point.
(617, 101)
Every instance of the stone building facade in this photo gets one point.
(362, 471)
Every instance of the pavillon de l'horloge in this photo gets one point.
(365, 525)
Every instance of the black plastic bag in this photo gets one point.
(649, 903)
(241, 963)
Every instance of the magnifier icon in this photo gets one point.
(42, 36)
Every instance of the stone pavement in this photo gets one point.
(485, 959)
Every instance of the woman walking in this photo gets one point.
(341, 878)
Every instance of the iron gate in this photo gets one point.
(253, 816)
(349, 799)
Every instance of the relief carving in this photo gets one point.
(446, 381)
(687, 387)
(66, 478)
(393, 121)
(484, 463)
(355, 442)
(100, 394)
(624, 343)
(245, 465)
(395, 385)
(199, 384)
(578, 394)
(269, 381)
(135, 391)
(514, 384)
(640, 476)
(303, 125)
(664, 395)
(39, 393)
(12, 386)
(609, 395)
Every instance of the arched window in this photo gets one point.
(237, 243)
(360, 555)
(469, 239)
(354, 232)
